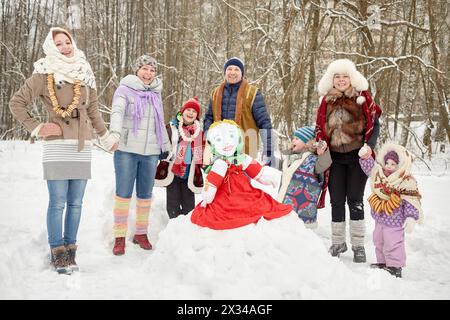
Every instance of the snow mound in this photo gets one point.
(274, 259)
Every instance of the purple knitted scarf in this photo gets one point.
(141, 100)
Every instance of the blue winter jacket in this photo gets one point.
(259, 112)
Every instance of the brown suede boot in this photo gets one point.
(60, 260)
(71, 253)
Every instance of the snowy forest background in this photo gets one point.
(402, 47)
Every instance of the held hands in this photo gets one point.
(114, 147)
(50, 129)
(321, 147)
(365, 152)
(409, 224)
(110, 141)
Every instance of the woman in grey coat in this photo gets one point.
(137, 125)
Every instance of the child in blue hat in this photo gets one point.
(302, 181)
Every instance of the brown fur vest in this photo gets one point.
(345, 120)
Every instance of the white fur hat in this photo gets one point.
(342, 66)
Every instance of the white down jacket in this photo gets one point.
(145, 142)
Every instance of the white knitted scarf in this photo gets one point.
(64, 68)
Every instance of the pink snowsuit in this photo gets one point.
(389, 236)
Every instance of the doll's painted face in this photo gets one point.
(297, 145)
(189, 115)
(390, 165)
(224, 138)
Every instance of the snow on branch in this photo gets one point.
(334, 13)
(253, 24)
(210, 51)
(389, 62)
(403, 23)
(238, 11)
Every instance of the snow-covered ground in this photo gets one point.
(277, 259)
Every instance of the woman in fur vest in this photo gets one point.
(346, 119)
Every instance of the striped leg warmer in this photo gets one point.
(142, 213)
(121, 207)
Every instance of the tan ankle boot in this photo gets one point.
(60, 260)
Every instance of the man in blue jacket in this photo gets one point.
(237, 100)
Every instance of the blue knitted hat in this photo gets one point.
(305, 133)
(235, 61)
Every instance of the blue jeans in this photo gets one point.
(131, 167)
(62, 192)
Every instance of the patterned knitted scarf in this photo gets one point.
(179, 165)
(399, 183)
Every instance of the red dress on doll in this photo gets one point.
(237, 203)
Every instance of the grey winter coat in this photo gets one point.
(145, 142)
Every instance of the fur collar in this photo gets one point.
(335, 94)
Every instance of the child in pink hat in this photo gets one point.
(180, 172)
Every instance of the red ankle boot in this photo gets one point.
(119, 246)
(142, 240)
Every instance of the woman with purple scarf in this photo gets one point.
(137, 129)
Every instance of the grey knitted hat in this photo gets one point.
(142, 61)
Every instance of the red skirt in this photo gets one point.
(237, 203)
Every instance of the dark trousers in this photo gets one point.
(346, 184)
(180, 199)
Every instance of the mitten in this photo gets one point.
(208, 194)
(109, 139)
(409, 224)
(213, 181)
(321, 147)
(266, 160)
(266, 178)
(169, 156)
(163, 155)
(49, 129)
(365, 151)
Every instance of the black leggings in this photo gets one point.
(180, 199)
(346, 183)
